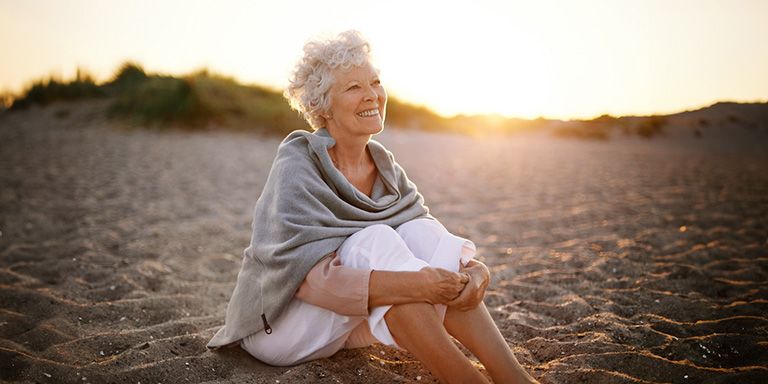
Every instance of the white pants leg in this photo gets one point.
(305, 332)
(430, 241)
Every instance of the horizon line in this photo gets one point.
(9, 94)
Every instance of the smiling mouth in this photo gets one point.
(369, 113)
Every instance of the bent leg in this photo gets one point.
(476, 330)
(417, 327)
(379, 247)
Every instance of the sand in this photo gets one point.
(624, 261)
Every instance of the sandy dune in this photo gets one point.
(613, 262)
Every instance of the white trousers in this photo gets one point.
(305, 332)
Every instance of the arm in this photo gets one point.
(389, 287)
(431, 285)
(350, 291)
(335, 287)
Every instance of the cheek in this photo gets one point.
(351, 101)
(340, 104)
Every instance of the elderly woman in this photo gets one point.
(344, 253)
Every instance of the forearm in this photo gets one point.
(394, 287)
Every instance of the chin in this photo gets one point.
(378, 129)
(372, 128)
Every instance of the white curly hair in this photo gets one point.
(312, 78)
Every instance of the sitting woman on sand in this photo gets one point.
(344, 253)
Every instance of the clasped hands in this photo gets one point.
(462, 290)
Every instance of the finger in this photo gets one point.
(465, 281)
(456, 301)
(462, 298)
(456, 295)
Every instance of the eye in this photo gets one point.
(377, 82)
(355, 86)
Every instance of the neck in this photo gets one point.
(349, 151)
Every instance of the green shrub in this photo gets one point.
(45, 91)
(158, 99)
(244, 107)
(129, 75)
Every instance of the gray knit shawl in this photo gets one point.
(306, 210)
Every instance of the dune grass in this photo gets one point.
(156, 99)
(200, 100)
(47, 90)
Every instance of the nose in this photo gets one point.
(370, 94)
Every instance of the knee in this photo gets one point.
(403, 318)
(420, 227)
(422, 236)
(359, 248)
(379, 232)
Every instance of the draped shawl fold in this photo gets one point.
(306, 210)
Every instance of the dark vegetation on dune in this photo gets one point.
(601, 127)
(204, 100)
(200, 100)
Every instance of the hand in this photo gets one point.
(439, 286)
(474, 291)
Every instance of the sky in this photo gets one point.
(554, 59)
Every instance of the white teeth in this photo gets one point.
(368, 113)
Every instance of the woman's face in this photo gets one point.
(358, 102)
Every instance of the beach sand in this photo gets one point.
(627, 261)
